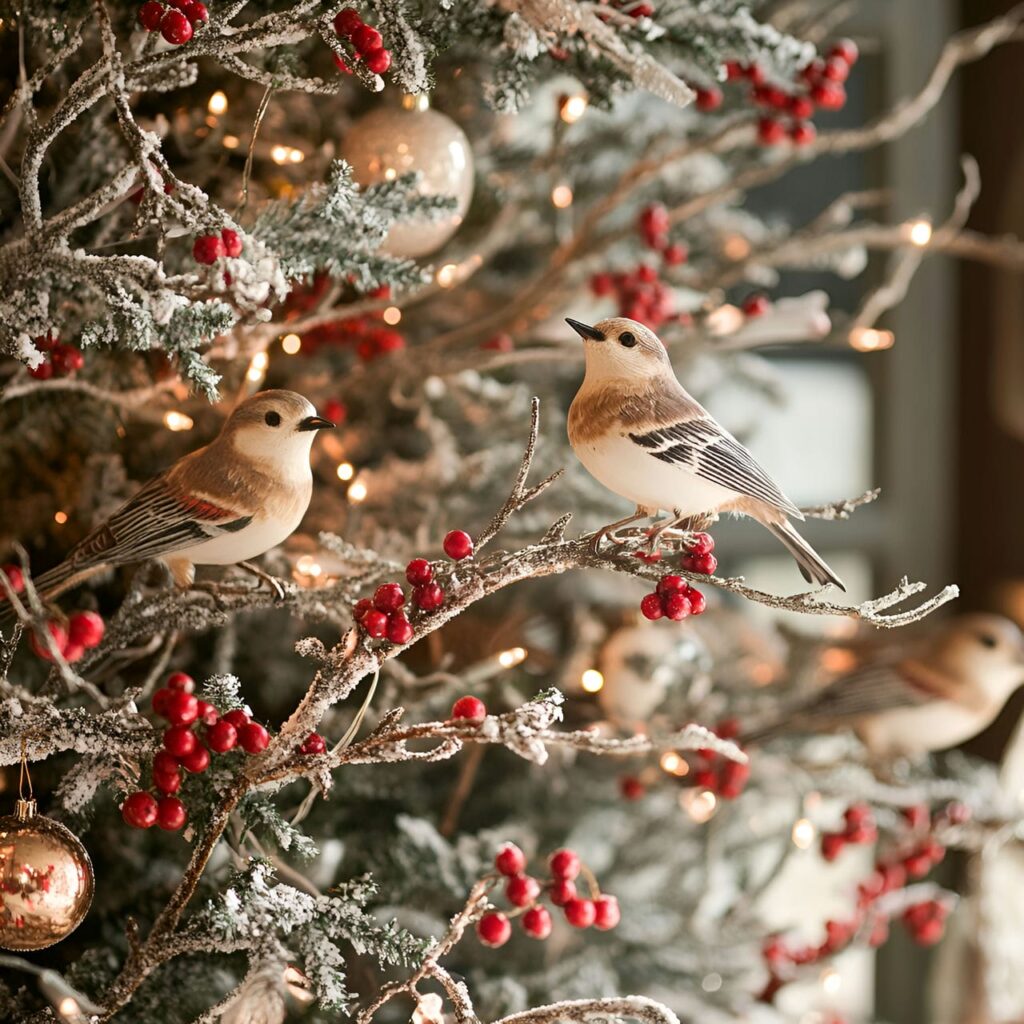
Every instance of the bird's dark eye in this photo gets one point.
(627, 339)
(272, 419)
(988, 639)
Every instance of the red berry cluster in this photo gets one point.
(83, 632)
(673, 599)
(176, 21)
(336, 411)
(61, 360)
(819, 85)
(858, 829)
(207, 249)
(185, 746)
(314, 743)
(365, 39)
(721, 775)
(523, 892)
(501, 342)
(631, 787)
(698, 557)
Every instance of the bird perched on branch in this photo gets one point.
(936, 696)
(230, 501)
(639, 432)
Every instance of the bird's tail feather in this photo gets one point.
(812, 566)
(53, 582)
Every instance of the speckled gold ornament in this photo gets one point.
(399, 140)
(46, 880)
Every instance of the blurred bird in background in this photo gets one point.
(637, 431)
(230, 501)
(936, 696)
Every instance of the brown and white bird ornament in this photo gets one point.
(638, 432)
(223, 504)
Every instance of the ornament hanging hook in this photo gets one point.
(26, 806)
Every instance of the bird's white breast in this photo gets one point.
(936, 725)
(625, 468)
(249, 542)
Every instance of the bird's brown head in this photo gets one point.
(275, 426)
(621, 349)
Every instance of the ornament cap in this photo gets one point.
(25, 809)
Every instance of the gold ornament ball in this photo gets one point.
(391, 142)
(46, 880)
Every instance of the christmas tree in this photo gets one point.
(444, 712)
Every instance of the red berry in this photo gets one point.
(196, 760)
(399, 628)
(388, 597)
(698, 602)
(929, 932)
(522, 890)
(703, 564)
(207, 249)
(602, 284)
(811, 73)
(537, 923)
(857, 814)
(180, 681)
(631, 787)
(346, 21)
(510, 860)
(754, 73)
(774, 950)
(705, 778)
(865, 832)
(375, 623)
(208, 714)
(44, 371)
(734, 71)
(770, 132)
(651, 608)
(428, 597)
(836, 70)
(139, 810)
(709, 99)
(360, 608)
(335, 411)
(342, 66)
(85, 628)
(471, 708)
(73, 652)
(150, 14)
(237, 718)
(828, 95)
(232, 242)
(580, 913)
(561, 891)
(675, 254)
(669, 584)
(164, 762)
(221, 737)
(171, 813)
(879, 932)
(564, 864)
(366, 39)
(314, 743)
(845, 50)
(894, 876)
(500, 342)
(917, 816)
(419, 571)
(253, 738)
(378, 61)
(803, 133)
(832, 844)
(176, 29)
(917, 865)
(67, 360)
(733, 777)
(15, 577)
(493, 929)
(606, 913)
(196, 13)
(654, 219)
(756, 304)
(181, 708)
(800, 107)
(167, 782)
(179, 740)
(837, 934)
(59, 636)
(676, 605)
(933, 850)
(458, 545)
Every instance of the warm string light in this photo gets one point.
(60, 518)
(735, 247)
(357, 492)
(803, 833)
(592, 680)
(258, 367)
(674, 764)
(290, 344)
(287, 155)
(867, 339)
(726, 319)
(391, 316)
(307, 565)
(561, 196)
(446, 275)
(512, 657)
(919, 232)
(231, 142)
(831, 980)
(572, 108)
(838, 659)
(699, 804)
(346, 471)
(218, 103)
(174, 420)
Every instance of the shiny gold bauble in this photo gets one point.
(46, 880)
(394, 141)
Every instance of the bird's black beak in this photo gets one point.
(585, 331)
(315, 423)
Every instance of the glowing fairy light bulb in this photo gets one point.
(803, 833)
(60, 518)
(174, 420)
(512, 657)
(391, 316)
(591, 680)
(357, 492)
(346, 471)
(218, 103)
(290, 344)
(726, 319)
(258, 367)
(446, 275)
(231, 142)
(573, 108)
(919, 232)
(867, 339)
(307, 565)
(672, 763)
(699, 804)
(279, 154)
(561, 196)
(831, 980)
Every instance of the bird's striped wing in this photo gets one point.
(158, 520)
(708, 451)
(867, 691)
